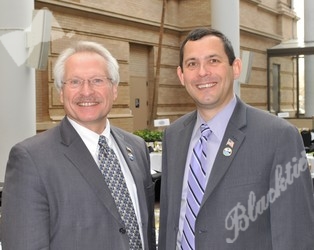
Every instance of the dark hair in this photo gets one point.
(198, 33)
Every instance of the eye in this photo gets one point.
(97, 81)
(213, 61)
(75, 81)
(192, 65)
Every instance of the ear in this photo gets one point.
(61, 96)
(115, 91)
(237, 68)
(180, 75)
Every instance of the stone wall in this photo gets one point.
(123, 25)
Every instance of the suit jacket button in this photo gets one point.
(122, 230)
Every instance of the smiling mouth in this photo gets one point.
(207, 85)
(86, 104)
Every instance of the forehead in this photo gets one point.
(205, 45)
(83, 62)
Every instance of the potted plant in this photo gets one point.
(153, 138)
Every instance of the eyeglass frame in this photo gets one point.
(91, 82)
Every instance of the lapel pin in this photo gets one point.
(227, 151)
(130, 154)
(230, 143)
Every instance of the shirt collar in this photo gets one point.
(89, 137)
(219, 122)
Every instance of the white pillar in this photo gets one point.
(18, 91)
(226, 18)
(309, 60)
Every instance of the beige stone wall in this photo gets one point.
(265, 24)
(119, 24)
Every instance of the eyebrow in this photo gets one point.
(206, 57)
(212, 56)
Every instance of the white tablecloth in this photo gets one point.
(310, 159)
(155, 161)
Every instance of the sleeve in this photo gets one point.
(25, 212)
(163, 217)
(151, 202)
(291, 195)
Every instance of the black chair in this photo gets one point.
(307, 141)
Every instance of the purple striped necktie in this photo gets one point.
(196, 188)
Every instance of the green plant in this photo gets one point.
(149, 135)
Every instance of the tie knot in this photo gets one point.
(102, 142)
(205, 130)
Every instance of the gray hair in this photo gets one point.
(85, 46)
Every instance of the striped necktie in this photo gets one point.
(111, 170)
(196, 188)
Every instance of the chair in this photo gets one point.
(306, 136)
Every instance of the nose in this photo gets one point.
(87, 87)
(204, 69)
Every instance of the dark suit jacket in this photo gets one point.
(250, 202)
(55, 197)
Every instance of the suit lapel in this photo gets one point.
(232, 139)
(178, 147)
(130, 156)
(81, 158)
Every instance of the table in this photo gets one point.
(155, 161)
(310, 159)
(155, 169)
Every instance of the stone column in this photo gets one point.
(18, 91)
(309, 59)
(225, 16)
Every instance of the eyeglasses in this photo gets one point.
(97, 81)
